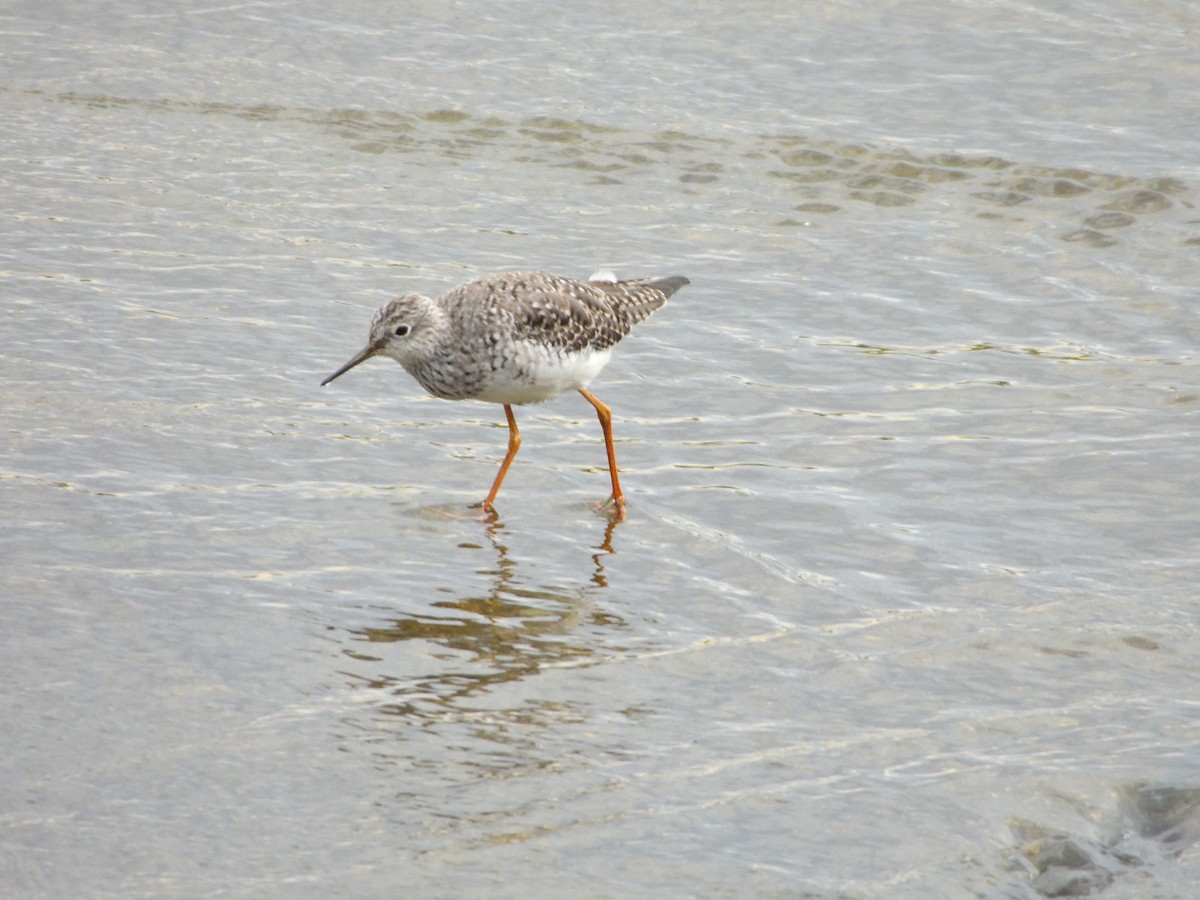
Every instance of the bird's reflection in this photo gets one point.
(476, 643)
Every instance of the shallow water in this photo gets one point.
(904, 604)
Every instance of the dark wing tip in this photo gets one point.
(668, 285)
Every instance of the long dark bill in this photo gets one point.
(362, 356)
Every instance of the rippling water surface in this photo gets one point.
(905, 602)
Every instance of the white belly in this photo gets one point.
(538, 375)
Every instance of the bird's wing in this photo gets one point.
(563, 313)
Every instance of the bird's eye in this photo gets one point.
(401, 330)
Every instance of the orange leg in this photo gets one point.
(605, 415)
(514, 444)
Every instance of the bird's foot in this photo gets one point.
(486, 512)
(613, 507)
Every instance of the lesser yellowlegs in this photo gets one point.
(516, 338)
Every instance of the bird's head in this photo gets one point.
(396, 331)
